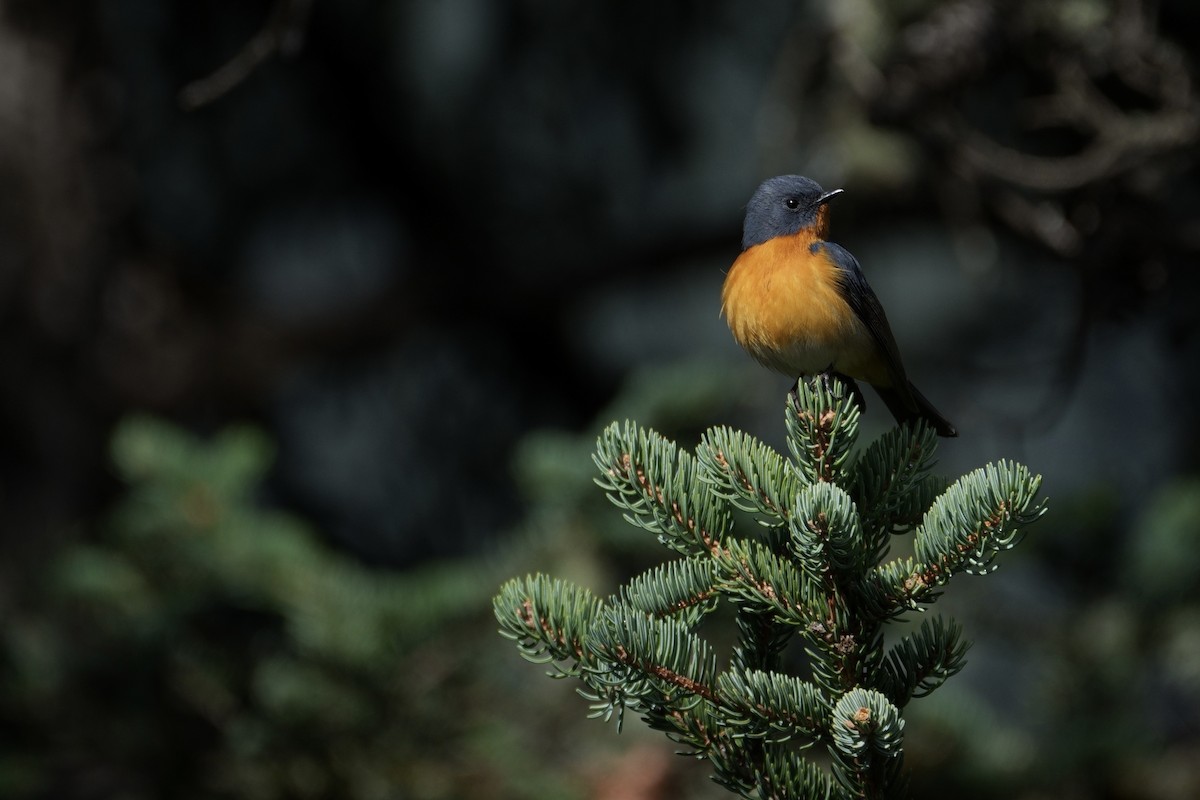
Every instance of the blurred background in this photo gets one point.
(311, 311)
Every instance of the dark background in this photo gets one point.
(427, 248)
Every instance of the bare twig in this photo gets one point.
(283, 33)
(1120, 140)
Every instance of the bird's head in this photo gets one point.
(785, 205)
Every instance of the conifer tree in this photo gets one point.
(815, 566)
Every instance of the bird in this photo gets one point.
(801, 305)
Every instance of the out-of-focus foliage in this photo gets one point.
(206, 646)
(1164, 550)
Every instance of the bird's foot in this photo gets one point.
(827, 377)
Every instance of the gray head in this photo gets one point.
(784, 205)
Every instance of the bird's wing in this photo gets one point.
(857, 293)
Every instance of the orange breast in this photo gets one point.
(784, 305)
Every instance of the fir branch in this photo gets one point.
(777, 539)
(734, 761)
(923, 660)
(548, 618)
(656, 659)
(761, 638)
(772, 706)
(979, 516)
(654, 481)
(868, 737)
(822, 424)
(886, 475)
(738, 761)
(697, 728)
(826, 535)
(974, 520)
(748, 473)
(895, 587)
(814, 572)
(754, 574)
(733, 758)
(789, 775)
(912, 507)
(684, 588)
(828, 542)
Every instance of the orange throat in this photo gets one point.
(785, 306)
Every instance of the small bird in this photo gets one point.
(802, 306)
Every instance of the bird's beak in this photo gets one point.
(825, 198)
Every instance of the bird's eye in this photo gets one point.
(792, 203)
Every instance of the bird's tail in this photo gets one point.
(903, 412)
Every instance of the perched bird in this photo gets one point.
(801, 305)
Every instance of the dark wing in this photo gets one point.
(857, 292)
